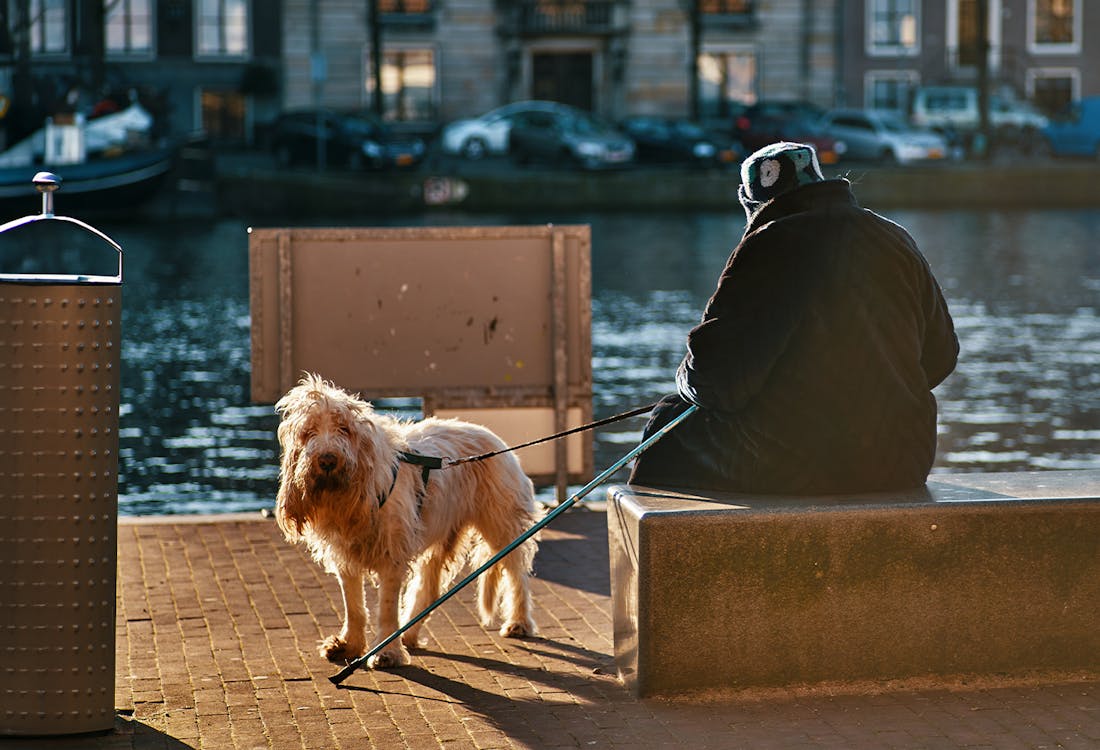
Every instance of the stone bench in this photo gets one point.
(977, 574)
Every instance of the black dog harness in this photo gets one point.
(426, 464)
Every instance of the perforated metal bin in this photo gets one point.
(59, 363)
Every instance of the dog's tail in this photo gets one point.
(494, 598)
(488, 592)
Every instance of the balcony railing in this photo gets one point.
(727, 12)
(416, 13)
(566, 16)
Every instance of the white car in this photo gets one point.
(956, 107)
(478, 137)
(883, 136)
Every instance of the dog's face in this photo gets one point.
(325, 436)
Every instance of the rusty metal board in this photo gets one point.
(463, 317)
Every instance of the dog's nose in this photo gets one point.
(327, 461)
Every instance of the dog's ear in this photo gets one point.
(291, 402)
(290, 505)
(372, 470)
(292, 410)
(285, 433)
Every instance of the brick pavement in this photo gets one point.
(218, 620)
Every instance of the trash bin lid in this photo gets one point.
(47, 183)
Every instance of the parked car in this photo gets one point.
(955, 112)
(678, 141)
(1077, 131)
(478, 137)
(786, 120)
(568, 135)
(883, 136)
(956, 108)
(357, 140)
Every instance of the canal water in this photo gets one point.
(1023, 287)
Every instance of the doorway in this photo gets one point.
(564, 77)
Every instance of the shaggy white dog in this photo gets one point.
(346, 492)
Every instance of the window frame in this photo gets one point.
(875, 49)
(38, 30)
(435, 101)
(995, 33)
(721, 9)
(130, 53)
(223, 54)
(725, 52)
(1036, 47)
(909, 77)
(1073, 75)
(199, 112)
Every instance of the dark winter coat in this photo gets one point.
(815, 360)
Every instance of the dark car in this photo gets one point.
(670, 140)
(568, 136)
(356, 140)
(767, 122)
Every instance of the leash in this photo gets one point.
(449, 462)
(429, 463)
(355, 664)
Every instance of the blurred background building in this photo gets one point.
(226, 67)
(1033, 49)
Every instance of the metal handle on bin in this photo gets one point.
(47, 184)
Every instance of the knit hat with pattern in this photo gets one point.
(774, 170)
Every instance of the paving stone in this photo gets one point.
(218, 623)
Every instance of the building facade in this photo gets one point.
(211, 66)
(443, 59)
(225, 67)
(1037, 49)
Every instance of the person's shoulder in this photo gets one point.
(887, 225)
(871, 215)
(783, 239)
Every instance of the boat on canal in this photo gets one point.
(107, 163)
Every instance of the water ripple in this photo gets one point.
(1025, 396)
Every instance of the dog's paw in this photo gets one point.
(336, 649)
(412, 640)
(389, 659)
(520, 629)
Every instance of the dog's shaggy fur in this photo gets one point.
(339, 462)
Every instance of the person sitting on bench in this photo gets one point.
(816, 357)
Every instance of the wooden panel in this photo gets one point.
(401, 311)
(462, 317)
(523, 424)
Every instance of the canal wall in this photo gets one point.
(258, 193)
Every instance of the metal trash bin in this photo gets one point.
(59, 373)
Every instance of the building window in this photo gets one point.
(49, 27)
(892, 27)
(1053, 91)
(222, 28)
(408, 85)
(969, 37)
(223, 115)
(964, 30)
(726, 7)
(890, 90)
(128, 28)
(728, 14)
(1054, 26)
(405, 6)
(727, 82)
